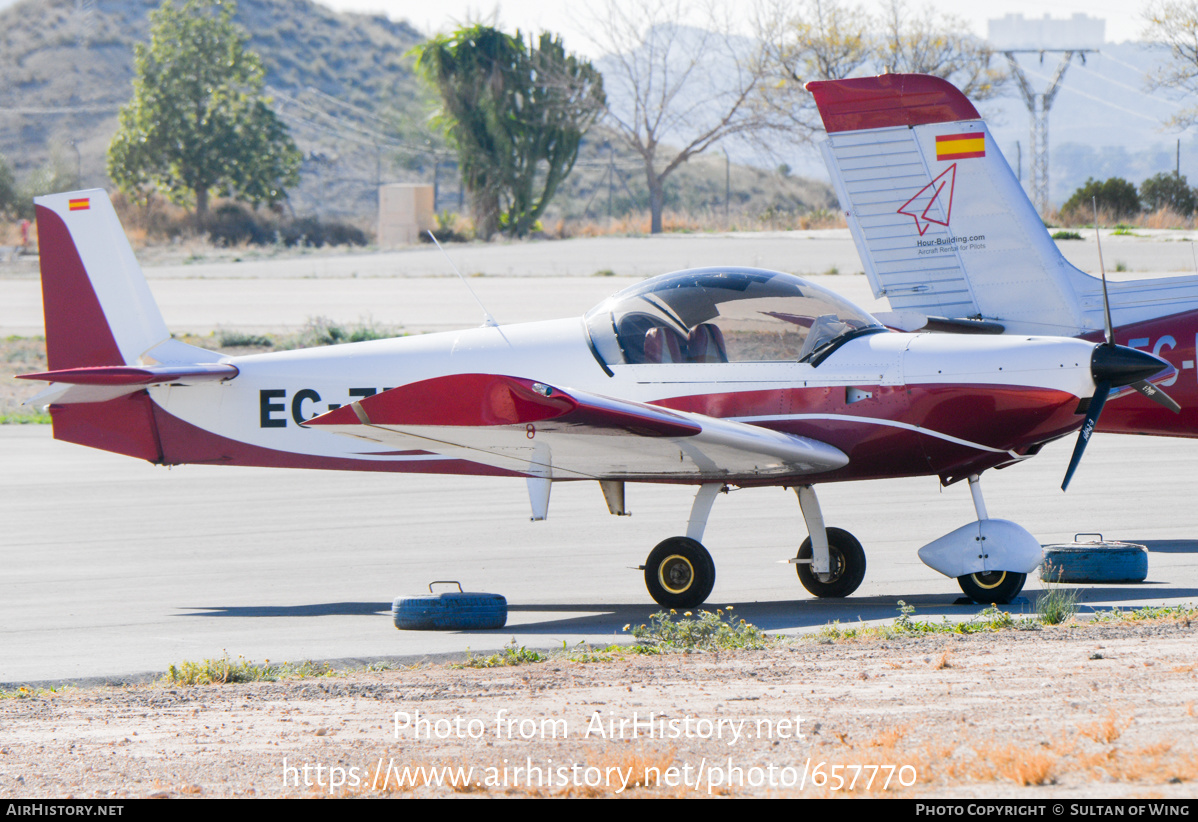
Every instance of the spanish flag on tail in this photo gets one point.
(960, 146)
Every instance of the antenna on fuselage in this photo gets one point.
(489, 321)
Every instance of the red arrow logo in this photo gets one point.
(917, 207)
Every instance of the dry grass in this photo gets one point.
(889, 738)
(1021, 765)
(1106, 731)
(1160, 219)
(688, 223)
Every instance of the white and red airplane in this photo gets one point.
(710, 377)
(948, 236)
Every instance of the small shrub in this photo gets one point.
(229, 338)
(1066, 235)
(231, 224)
(225, 671)
(512, 655)
(1171, 191)
(1115, 196)
(707, 632)
(1057, 604)
(320, 331)
(25, 417)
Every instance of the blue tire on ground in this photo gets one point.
(1094, 562)
(454, 611)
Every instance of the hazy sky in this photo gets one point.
(569, 17)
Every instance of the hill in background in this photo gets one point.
(345, 88)
(340, 81)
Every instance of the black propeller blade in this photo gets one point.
(1083, 437)
(1116, 365)
(1156, 395)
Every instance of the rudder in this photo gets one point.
(98, 308)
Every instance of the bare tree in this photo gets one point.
(811, 40)
(1173, 24)
(833, 39)
(936, 43)
(675, 90)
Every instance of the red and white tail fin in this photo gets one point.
(100, 314)
(98, 308)
(942, 224)
(106, 340)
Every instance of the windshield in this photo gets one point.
(723, 315)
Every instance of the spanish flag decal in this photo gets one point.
(82, 204)
(960, 146)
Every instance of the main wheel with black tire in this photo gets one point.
(679, 573)
(847, 565)
(994, 587)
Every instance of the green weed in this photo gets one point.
(511, 655)
(1150, 613)
(988, 619)
(1066, 235)
(25, 692)
(225, 670)
(584, 653)
(25, 418)
(1056, 604)
(707, 632)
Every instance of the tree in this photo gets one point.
(1116, 197)
(515, 113)
(833, 40)
(1174, 25)
(198, 125)
(934, 43)
(1168, 190)
(9, 198)
(671, 83)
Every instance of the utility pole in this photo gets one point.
(84, 10)
(727, 186)
(1038, 106)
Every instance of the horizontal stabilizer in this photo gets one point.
(138, 375)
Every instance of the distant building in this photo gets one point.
(1016, 32)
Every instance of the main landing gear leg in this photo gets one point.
(989, 586)
(831, 562)
(679, 572)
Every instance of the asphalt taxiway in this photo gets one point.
(112, 567)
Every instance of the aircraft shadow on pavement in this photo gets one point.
(1168, 546)
(318, 609)
(778, 615)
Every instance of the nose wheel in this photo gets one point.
(679, 573)
(997, 587)
(847, 565)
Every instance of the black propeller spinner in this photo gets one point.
(1115, 366)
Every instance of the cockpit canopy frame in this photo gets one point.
(724, 314)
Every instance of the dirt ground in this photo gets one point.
(1089, 711)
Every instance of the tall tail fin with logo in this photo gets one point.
(943, 226)
(106, 340)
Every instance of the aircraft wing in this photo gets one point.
(543, 431)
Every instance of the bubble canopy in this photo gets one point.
(713, 315)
